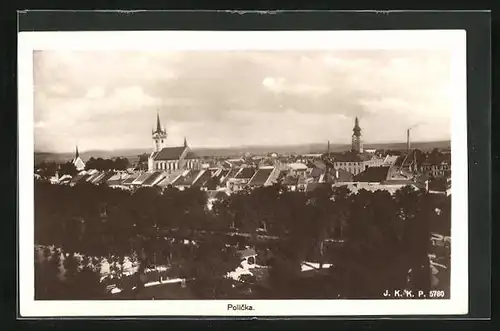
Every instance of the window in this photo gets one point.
(251, 260)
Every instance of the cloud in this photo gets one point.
(280, 85)
(95, 92)
(110, 99)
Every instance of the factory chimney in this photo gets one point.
(408, 146)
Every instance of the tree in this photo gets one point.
(207, 268)
(68, 168)
(46, 170)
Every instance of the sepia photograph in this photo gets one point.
(266, 172)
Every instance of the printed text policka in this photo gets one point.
(239, 307)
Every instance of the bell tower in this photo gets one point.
(159, 135)
(357, 142)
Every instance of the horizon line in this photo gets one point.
(246, 146)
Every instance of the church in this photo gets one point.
(77, 161)
(356, 160)
(164, 158)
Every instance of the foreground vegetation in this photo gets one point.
(378, 239)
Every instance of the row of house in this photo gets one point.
(295, 176)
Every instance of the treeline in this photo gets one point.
(49, 169)
(107, 164)
(385, 236)
(46, 170)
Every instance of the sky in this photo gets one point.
(108, 100)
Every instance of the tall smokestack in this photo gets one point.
(408, 139)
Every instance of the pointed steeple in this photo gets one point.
(185, 142)
(76, 153)
(158, 125)
(357, 128)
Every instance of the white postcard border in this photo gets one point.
(453, 40)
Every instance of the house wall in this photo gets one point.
(351, 167)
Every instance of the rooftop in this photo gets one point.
(187, 179)
(246, 173)
(141, 178)
(191, 156)
(169, 178)
(297, 166)
(151, 179)
(130, 179)
(169, 153)
(260, 177)
(203, 179)
(373, 174)
(350, 157)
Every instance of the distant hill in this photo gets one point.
(424, 146)
(132, 154)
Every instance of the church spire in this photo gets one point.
(76, 153)
(357, 128)
(158, 126)
(185, 142)
(357, 143)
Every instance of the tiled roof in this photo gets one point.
(83, 178)
(246, 173)
(213, 171)
(223, 174)
(373, 174)
(105, 177)
(390, 159)
(151, 179)
(186, 180)
(77, 178)
(350, 157)
(114, 177)
(170, 153)
(203, 179)
(225, 164)
(236, 163)
(260, 177)
(169, 178)
(191, 156)
(98, 178)
(319, 164)
(316, 172)
(231, 174)
(142, 177)
(297, 166)
(130, 179)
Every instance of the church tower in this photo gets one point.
(357, 143)
(159, 135)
